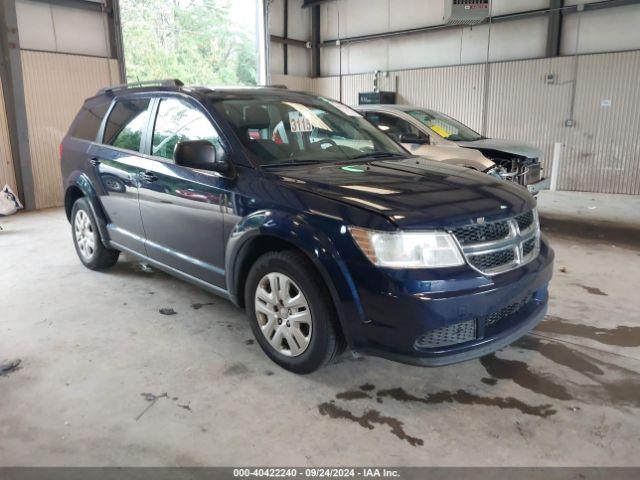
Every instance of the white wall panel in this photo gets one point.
(7, 174)
(55, 86)
(45, 26)
(361, 17)
(299, 21)
(299, 61)
(405, 14)
(601, 31)
(429, 49)
(35, 27)
(276, 17)
(276, 58)
(518, 39)
(502, 7)
(80, 31)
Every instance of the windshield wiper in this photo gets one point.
(291, 163)
(377, 155)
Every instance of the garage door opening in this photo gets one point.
(201, 42)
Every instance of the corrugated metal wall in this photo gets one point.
(522, 106)
(55, 86)
(7, 175)
(292, 82)
(602, 152)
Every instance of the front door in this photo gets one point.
(180, 206)
(117, 163)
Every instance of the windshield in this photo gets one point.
(445, 126)
(304, 130)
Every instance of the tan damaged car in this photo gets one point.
(439, 137)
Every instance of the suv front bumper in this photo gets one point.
(407, 310)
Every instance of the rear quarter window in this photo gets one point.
(88, 121)
(126, 124)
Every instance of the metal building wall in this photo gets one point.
(55, 86)
(602, 152)
(7, 174)
(522, 106)
(293, 82)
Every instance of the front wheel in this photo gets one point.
(93, 254)
(290, 312)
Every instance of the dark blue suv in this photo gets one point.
(299, 210)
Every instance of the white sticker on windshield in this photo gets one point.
(299, 123)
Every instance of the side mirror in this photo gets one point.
(414, 138)
(199, 154)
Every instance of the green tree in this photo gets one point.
(193, 40)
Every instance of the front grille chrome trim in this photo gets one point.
(515, 241)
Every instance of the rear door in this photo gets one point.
(180, 206)
(117, 162)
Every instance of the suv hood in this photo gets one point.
(413, 193)
(507, 146)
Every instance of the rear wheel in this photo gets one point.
(92, 253)
(290, 312)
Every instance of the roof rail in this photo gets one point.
(171, 82)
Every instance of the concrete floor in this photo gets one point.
(106, 379)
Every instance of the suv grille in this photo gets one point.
(499, 246)
(489, 261)
(481, 233)
(524, 220)
(506, 311)
(449, 335)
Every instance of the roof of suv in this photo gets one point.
(218, 92)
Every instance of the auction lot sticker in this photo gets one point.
(299, 123)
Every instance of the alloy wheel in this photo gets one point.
(85, 235)
(283, 314)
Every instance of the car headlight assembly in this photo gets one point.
(408, 249)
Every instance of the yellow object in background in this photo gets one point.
(439, 130)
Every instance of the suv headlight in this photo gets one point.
(408, 249)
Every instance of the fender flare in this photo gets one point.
(82, 181)
(314, 243)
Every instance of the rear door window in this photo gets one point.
(88, 121)
(126, 124)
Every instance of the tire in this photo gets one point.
(321, 333)
(86, 238)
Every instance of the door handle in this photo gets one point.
(148, 177)
(94, 161)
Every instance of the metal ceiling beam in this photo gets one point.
(315, 41)
(81, 4)
(285, 34)
(496, 19)
(313, 3)
(116, 46)
(288, 41)
(554, 28)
